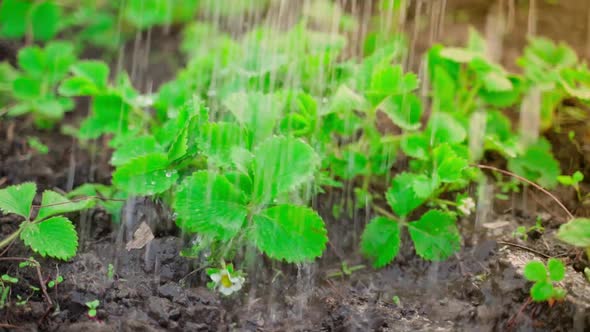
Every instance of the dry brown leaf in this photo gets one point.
(142, 236)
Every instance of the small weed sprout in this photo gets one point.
(544, 278)
(92, 308)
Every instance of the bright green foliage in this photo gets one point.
(35, 87)
(381, 241)
(435, 235)
(134, 148)
(53, 204)
(537, 164)
(147, 13)
(543, 278)
(576, 232)
(47, 234)
(54, 237)
(218, 140)
(256, 111)
(209, 204)
(38, 19)
(148, 174)
(109, 115)
(401, 196)
(18, 199)
(37, 145)
(448, 166)
(107, 197)
(281, 165)
(221, 207)
(572, 180)
(289, 232)
(443, 128)
(404, 110)
(90, 78)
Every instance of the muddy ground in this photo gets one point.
(153, 289)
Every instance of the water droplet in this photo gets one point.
(168, 174)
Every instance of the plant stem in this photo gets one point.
(471, 98)
(388, 214)
(8, 240)
(444, 201)
(545, 191)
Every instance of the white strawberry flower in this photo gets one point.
(466, 206)
(226, 283)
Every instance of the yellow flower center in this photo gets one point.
(225, 280)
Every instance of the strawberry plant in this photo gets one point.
(544, 278)
(46, 231)
(35, 20)
(33, 89)
(574, 182)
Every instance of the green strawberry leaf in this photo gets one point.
(535, 271)
(217, 140)
(179, 147)
(448, 166)
(145, 175)
(424, 186)
(111, 206)
(577, 177)
(26, 88)
(542, 291)
(18, 199)
(281, 164)
(44, 20)
(256, 111)
(388, 81)
(13, 18)
(401, 196)
(459, 55)
(53, 203)
(32, 60)
(381, 241)
(576, 232)
(444, 128)
(435, 235)
(537, 164)
(77, 86)
(556, 269)
(55, 237)
(289, 232)
(416, 146)
(404, 110)
(209, 204)
(133, 148)
(96, 72)
(109, 115)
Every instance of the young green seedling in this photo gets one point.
(55, 282)
(92, 308)
(544, 278)
(573, 181)
(5, 286)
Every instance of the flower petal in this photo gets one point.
(226, 290)
(215, 277)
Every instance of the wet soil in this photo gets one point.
(153, 289)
